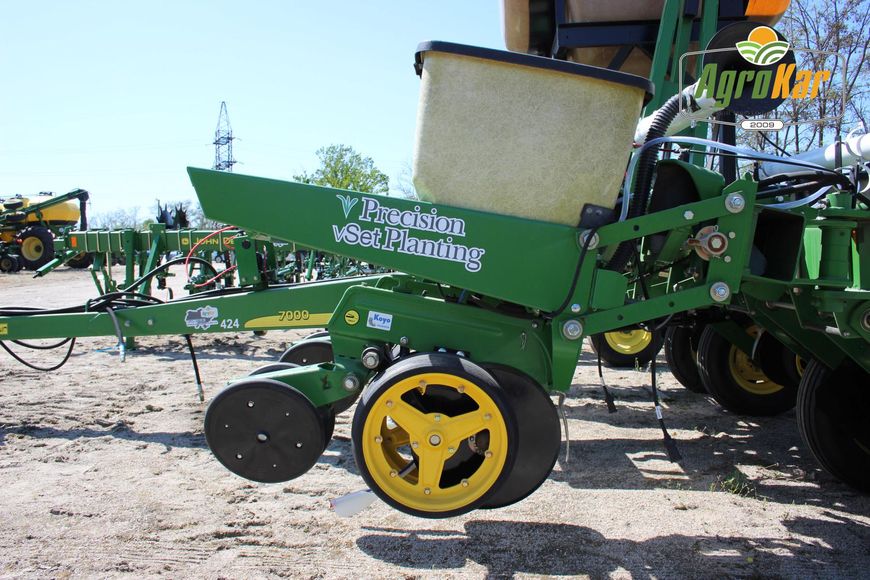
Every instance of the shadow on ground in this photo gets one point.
(506, 548)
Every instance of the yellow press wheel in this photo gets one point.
(627, 347)
(434, 435)
(737, 382)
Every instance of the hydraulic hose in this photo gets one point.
(643, 182)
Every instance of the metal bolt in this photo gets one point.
(371, 358)
(350, 382)
(414, 444)
(796, 291)
(404, 341)
(592, 243)
(732, 235)
(437, 418)
(262, 437)
(464, 483)
(487, 417)
(720, 292)
(689, 214)
(460, 389)
(427, 491)
(250, 403)
(727, 259)
(389, 404)
(434, 439)
(735, 203)
(128, 324)
(572, 329)
(451, 450)
(150, 322)
(534, 325)
(379, 439)
(394, 473)
(575, 308)
(488, 454)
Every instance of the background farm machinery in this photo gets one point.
(32, 228)
(761, 285)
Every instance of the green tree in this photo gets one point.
(343, 168)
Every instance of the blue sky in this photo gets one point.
(120, 97)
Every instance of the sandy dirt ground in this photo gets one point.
(104, 472)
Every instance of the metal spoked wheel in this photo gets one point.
(36, 247)
(627, 347)
(736, 382)
(833, 407)
(681, 352)
(434, 436)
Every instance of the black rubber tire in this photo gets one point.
(8, 263)
(16, 218)
(714, 354)
(619, 360)
(41, 237)
(681, 352)
(81, 261)
(439, 363)
(13, 204)
(272, 367)
(308, 352)
(833, 415)
(539, 436)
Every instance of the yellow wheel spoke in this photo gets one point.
(410, 419)
(465, 425)
(430, 467)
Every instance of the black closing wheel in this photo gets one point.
(310, 351)
(36, 247)
(538, 436)
(681, 352)
(264, 430)
(628, 347)
(8, 263)
(435, 436)
(736, 382)
(327, 413)
(13, 204)
(833, 408)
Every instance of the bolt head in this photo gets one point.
(434, 439)
(688, 214)
(451, 450)
(414, 444)
(394, 473)
(487, 417)
(437, 418)
(350, 382)
(379, 439)
(427, 491)
(720, 292)
(404, 341)
(735, 203)
(389, 404)
(575, 308)
(488, 454)
(572, 329)
(464, 483)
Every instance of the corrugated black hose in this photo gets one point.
(644, 175)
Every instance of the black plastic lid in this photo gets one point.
(521, 59)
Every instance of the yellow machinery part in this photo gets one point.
(394, 430)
